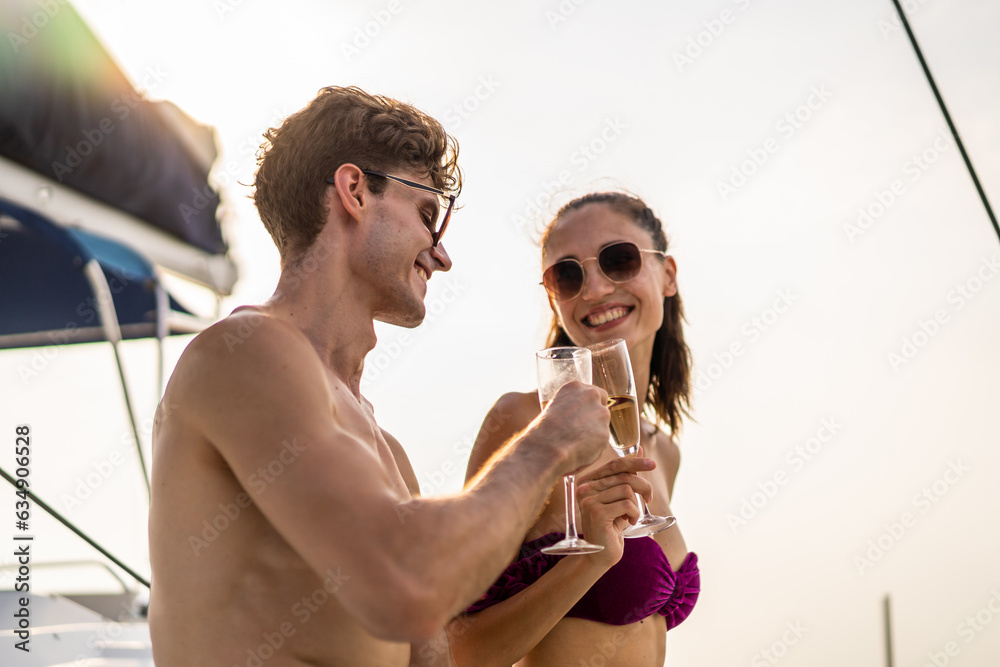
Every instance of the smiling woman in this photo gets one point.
(657, 327)
(608, 276)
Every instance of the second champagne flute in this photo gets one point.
(556, 367)
(613, 373)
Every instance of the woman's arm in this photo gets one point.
(505, 632)
(500, 635)
(483, 638)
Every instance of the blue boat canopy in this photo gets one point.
(90, 152)
(69, 113)
(61, 285)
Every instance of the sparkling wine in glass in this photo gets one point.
(556, 367)
(613, 373)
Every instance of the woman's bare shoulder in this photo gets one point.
(667, 455)
(517, 407)
(510, 414)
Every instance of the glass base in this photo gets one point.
(572, 547)
(648, 525)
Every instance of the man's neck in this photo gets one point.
(332, 313)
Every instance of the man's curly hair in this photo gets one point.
(342, 125)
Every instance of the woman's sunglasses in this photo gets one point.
(619, 262)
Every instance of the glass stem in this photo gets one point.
(642, 506)
(569, 488)
(634, 451)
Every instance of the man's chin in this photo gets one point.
(408, 319)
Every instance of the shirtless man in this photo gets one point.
(285, 525)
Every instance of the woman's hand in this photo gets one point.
(606, 495)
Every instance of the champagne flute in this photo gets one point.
(613, 373)
(556, 367)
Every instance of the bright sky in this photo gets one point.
(836, 264)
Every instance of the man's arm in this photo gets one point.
(436, 651)
(408, 564)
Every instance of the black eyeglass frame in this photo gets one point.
(435, 235)
(583, 270)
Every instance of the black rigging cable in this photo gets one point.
(947, 117)
(58, 517)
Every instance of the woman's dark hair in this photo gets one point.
(670, 368)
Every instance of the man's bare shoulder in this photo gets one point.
(248, 340)
(247, 330)
(247, 361)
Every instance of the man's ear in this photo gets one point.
(351, 191)
(670, 270)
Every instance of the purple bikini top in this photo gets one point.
(637, 586)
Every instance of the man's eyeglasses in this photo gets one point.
(438, 226)
(619, 262)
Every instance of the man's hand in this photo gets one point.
(574, 425)
(608, 505)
